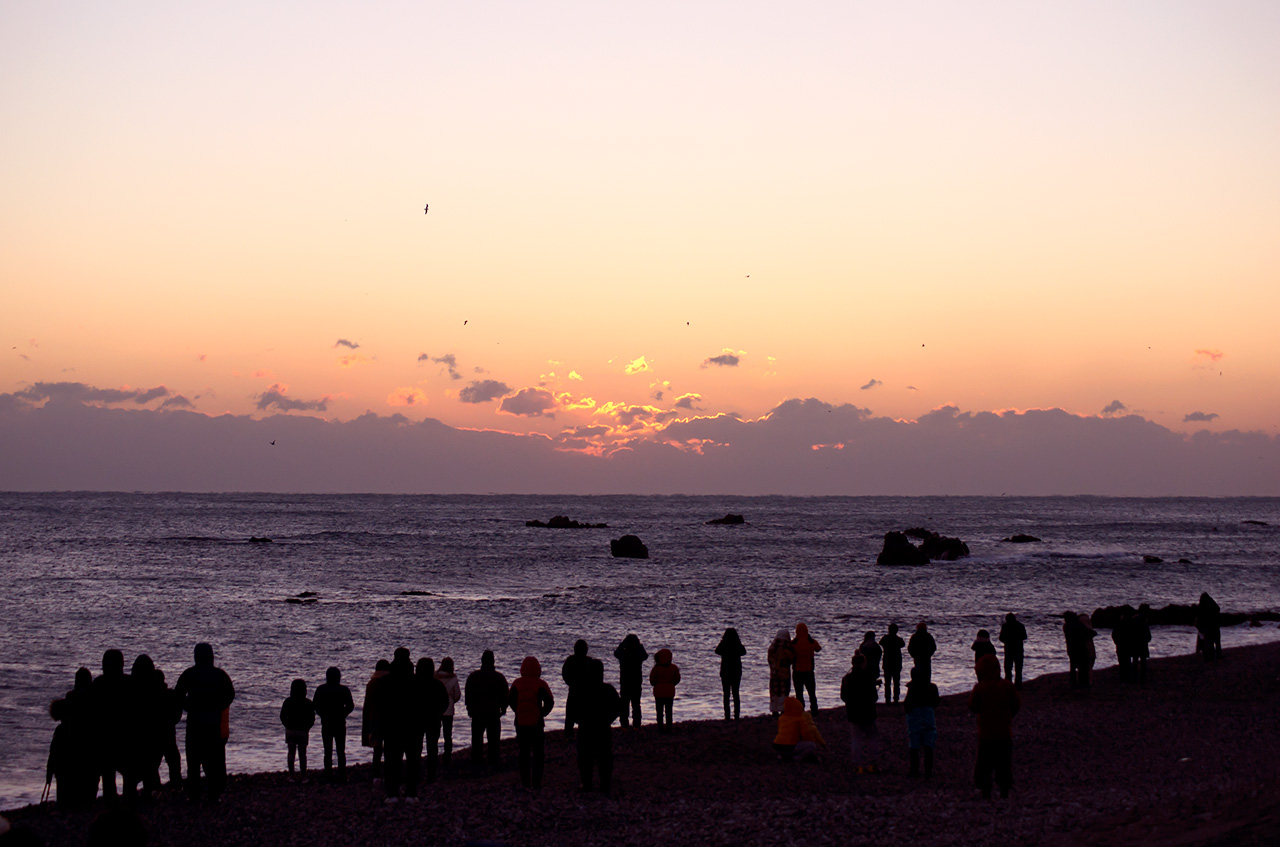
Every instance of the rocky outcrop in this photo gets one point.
(898, 550)
(628, 547)
(1020, 539)
(1151, 560)
(727, 520)
(562, 522)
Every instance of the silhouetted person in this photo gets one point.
(782, 657)
(922, 728)
(486, 701)
(371, 718)
(982, 646)
(169, 738)
(531, 701)
(297, 715)
(921, 647)
(433, 699)
(111, 719)
(891, 646)
(333, 703)
(66, 763)
(664, 677)
(995, 702)
(1122, 638)
(600, 706)
(449, 680)
(1013, 635)
(1079, 640)
(1209, 626)
(205, 692)
(798, 738)
(730, 650)
(81, 750)
(858, 692)
(401, 727)
(149, 710)
(873, 652)
(1142, 642)
(631, 656)
(574, 673)
(804, 647)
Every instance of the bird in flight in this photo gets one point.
(426, 208)
(464, 323)
(273, 442)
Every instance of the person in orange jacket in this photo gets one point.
(531, 701)
(798, 737)
(664, 677)
(995, 702)
(804, 646)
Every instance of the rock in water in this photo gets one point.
(1020, 539)
(628, 547)
(899, 551)
(563, 522)
(727, 520)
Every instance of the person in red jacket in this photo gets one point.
(531, 701)
(664, 677)
(805, 646)
(995, 702)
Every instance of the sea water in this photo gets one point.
(452, 576)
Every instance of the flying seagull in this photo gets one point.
(426, 208)
(273, 442)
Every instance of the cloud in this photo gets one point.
(726, 359)
(574, 375)
(263, 373)
(636, 366)
(912, 388)
(530, 402)
(177, 401)
(1200, 417)
(78, 392)
(275, 397)
(352, 359)
(687, 401)
(658, 390)
(1206, 357)
(872, 384)
(450, 362)
(342, 342)
(423, 357)
(1115, 407)
(409, 396)
(483, 391)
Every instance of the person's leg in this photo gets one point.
(379, 749)
(393, 766)
(340, 742)
(293, 748)
(1017, 669)
(217, 767)
(737, 700)
(928, 762)
(539, 755)
(855, 754)
(171, 758)
(726, 688)
(1003, 756)
(982, 770)
(604, 759)
(302, 753)
(635, 706)
(493, 728)
(446, 724)
(524, 743)
(569, 710)
(195, 760)
(412, 768)
(326, 741)
(586, 758)
(432, 739)
(477, 739)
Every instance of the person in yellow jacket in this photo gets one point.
(798, 738)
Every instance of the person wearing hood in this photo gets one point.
(371, 718)
(401, 728)
(1209, 627)
(922, 647)
(664, 677)
(600, 705)
(995, 701)
(531, 701)
(432, 700)
(858, 692)
(872, 651)
(449, 680)
(982, 646)
(333, 703)
(892, 645)
(147, 713)
(111, 719)
(77, 759)
(631, 657)
(485, 698)
(574, 673)
(206, 693)
(920, 706)
(1013, 635)
(805, 646)
(298, 715)
(730, 650)
(67, 764)
(798, 738)
(781, 658)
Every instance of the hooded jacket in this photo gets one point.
(333, 700)
(205, 691)
(804, 646)
(297, 713)
(982, 646)
(530, 696)
(665, 676)
(486, 691)
(796, 725)
(858, 692)
(994, 701)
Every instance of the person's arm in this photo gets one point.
(348, 705)
(545, 701)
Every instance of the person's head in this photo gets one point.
(663, 656)
(792, 707)
(870, 636)
(382, 665)
(858, 661)
(922, 627)
(893, 629)
(1144, 610)
(782, 635)
(918, 674)
(401, 654)
(731, 635)
(298, 688)
(204, 653)
(446, 664)
(1069, 616)
(112, 663)
(143, 668)
(531, 668)
(595, 672)
(580, 647)
(988, 668)
(426, 667)
(486, 660)
(984, 635)
(1010, 618)
(84, 678)
(333, 676)
(631, 640)
(58, 709)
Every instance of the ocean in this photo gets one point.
(454, 575)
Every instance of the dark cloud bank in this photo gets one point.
(73, 442)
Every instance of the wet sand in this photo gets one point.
(1189, 759)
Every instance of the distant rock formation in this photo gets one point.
(628, 547)
(1151, 560)
(1020, 539)
(413, 592)
(727, 520)
(900, 551)
(304, 597)
(1256, 523)
(253, 539)
(562, 522)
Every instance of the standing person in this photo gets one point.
(858, 691)
(169, 738)
(805, 646)
(333, 703)
(298, 715)
(781, 659)
(922, 727)
(486, 702)
(1013, 635)
(574, 674)
(798, 738)
(78, 756)
(371, 719)
(995, 702)
(147, 715)
(433, 699)
(730, 650)
(664, 678)
(449, 680)
(892, 645)
(531, 702)
(1209, 627)
(982, 646)
(631, 656)
(401, 728)
(872, 651)
(1123, 640)
(600, 706)
(111, 716)
(64, 761)
(922, 647)
(1078, 673)
(1090, 649)
(1142, 642)
(206, 693)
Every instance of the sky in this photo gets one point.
(652, 227)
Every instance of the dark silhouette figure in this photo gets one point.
(206, 693)
(78, 757)
(433, 699)
(169, 738)
(995, 702)
(1013, 635)
(150, 705)
(401, 728)
(891, 646)
(1079, 638)
(371, 717)
(450, 682)
(631, 657)
(982, 646)
(111, 719)
(600, 706)
(68, 762)
(798, 738)
(298, 715)
(872, 651)
(782, 657)
(921, 647)
(531, 701)
(664, 677)
(731, 650)
(922, 729)
(1209, 627)
(333, 703)
(574, 673)
(1122, 638)
(804, 647)
(858, 693)
(1141, 642)
(486, 702)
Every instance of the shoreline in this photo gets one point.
(1191, 754)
